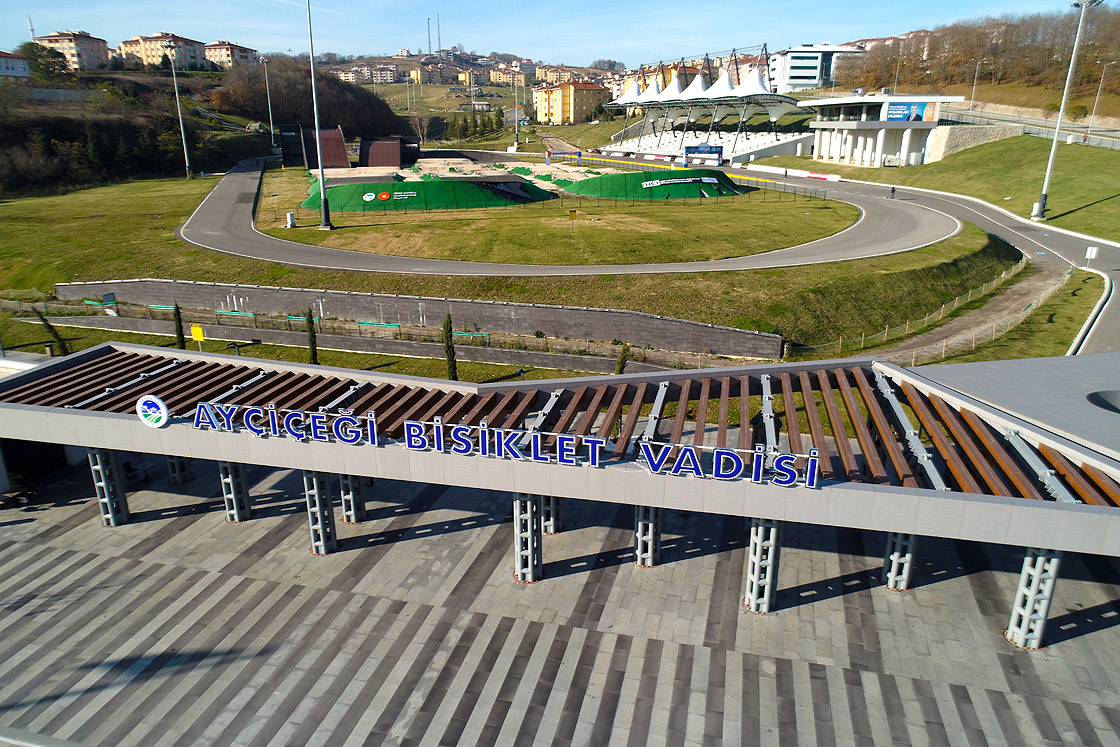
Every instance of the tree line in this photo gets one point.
(1031, 49)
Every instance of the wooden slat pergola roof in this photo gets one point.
(869, 421)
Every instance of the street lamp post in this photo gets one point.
(1039, 212)
(268, 95)
(975, 77)
(170, 47)
(1104, 69)
(325, 210)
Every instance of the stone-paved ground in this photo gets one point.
(182, 629)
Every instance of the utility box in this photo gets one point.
(291, 220)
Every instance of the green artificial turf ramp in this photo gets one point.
(658, 185)
(437, 194)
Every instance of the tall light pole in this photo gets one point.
(1104, 69)
(975, 77)
(169, 45)
(1040, 207)
(268, 95)
(325, 209)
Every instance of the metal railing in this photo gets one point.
(1095, 141)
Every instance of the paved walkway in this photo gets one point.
(182, 629)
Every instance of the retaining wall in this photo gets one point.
(638, 329)
(946, 140)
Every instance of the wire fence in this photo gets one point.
(250, 321)
(843, 346)
(988, 332)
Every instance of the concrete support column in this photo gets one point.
(907, 135)
(320, 512)
(528, 556)
(647, 536)
(353, 500)
(235, 491)
(762, 564)
(880, 143)
(179, 470)
(5, 482)
(108, 483)
(1033, 597)
(817, 145)
(898, 560)
(848, 139)
(861, 147)
(552, 517)
(834, 149)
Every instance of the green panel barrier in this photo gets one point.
(377, 324)
(659, 185)
(233, 313)
(472, 334)
(100, 303)
(160, 306)
(302, 318)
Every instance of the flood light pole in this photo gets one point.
(1104, 69)
(170, 47)
(268, 95)
(1040, 206)
(325, 209)
(975, 77)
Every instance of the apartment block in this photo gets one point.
(81, 50)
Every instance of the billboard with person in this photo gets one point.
(916, 111)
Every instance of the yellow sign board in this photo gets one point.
(571, 215)
(196, 333)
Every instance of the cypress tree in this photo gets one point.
(312, 347)
(180, 338)
(449, 349)
(623, 356)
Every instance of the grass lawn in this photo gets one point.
(126, 231)
(30, 336)
(1049, 330)
(541, 233)
(1084, 191)
(1031, 97)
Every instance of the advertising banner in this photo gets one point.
(912, 112)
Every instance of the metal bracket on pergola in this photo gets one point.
(337, 401)
(243, 385)
(542, 417)
(913, 440)
(130, 383)
(1045, 475)
(768, 416)
(650, 433)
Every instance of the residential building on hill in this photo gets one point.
(14, 67)
(149, 50)
(225, 54)
(81, 50)
(568, 102)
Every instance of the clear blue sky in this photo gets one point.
(574, 32)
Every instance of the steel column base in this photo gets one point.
(235, 491)
(108, 484)
(1033, 597)
(528, 556)
(898, 561)
(552, 517)
(762, 565)
(353, 500)
(320, 512)
(647, 536)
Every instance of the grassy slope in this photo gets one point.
(1084, 191)
(126, 231)
(31, 337)
(1049, 330)
(1030, 97)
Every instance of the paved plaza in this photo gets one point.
(182, 629)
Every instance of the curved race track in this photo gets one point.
(224, 223)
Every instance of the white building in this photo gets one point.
(805, 67)
(14, 67)
(877, 129)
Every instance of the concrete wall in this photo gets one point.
(474, 353)
(487, 316)
(946, 140)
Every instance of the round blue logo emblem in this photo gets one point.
(152, 411)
